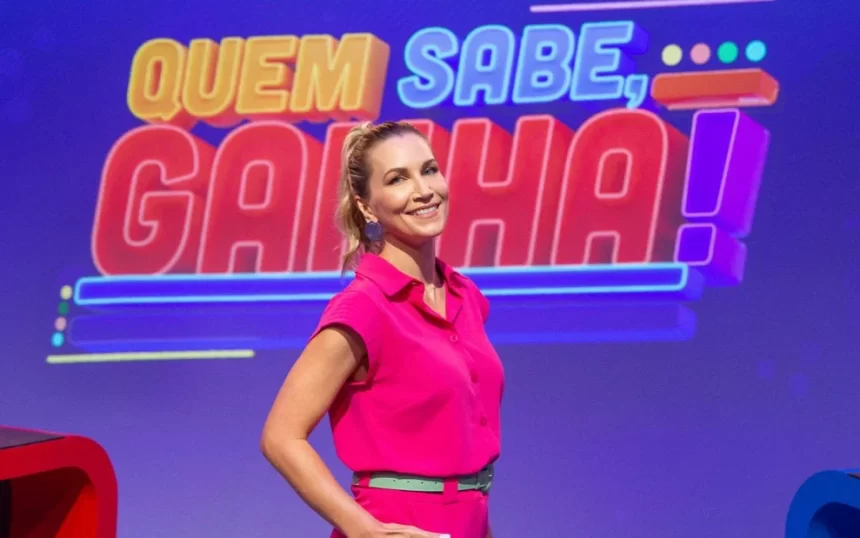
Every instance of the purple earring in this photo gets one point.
(373, 231)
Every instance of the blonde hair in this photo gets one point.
(354, 182)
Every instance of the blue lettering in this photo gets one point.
(606, 48)
(636, 90)
(432, 79)
(485, 64)
(603, 69)
(543, 68)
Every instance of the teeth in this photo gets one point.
(424, 211)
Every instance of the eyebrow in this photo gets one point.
(403, 170)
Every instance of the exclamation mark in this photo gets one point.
(724, 169)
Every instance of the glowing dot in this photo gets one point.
(57, 339)
(728, 52)
(756, 51)
(66, 293)
(672, 55)
(60, 324)
(700, 54)
(63, 309)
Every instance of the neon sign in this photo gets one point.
(170, 203)
(611, 224)
(601, 71)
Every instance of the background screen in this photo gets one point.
(658, 197)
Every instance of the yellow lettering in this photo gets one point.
(156, 82)
(211, 80)
(265, 80)
(340, 80)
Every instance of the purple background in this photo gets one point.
(705, 438)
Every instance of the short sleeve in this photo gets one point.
(358, 312)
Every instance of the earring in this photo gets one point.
(373, 231)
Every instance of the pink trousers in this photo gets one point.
(462, 514)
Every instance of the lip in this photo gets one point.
(430, 214)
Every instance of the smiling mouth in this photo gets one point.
(424, 211)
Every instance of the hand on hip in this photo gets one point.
(392, 530)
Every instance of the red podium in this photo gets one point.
(57, 486)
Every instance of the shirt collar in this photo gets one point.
(392, 281)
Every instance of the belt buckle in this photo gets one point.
(485, 479)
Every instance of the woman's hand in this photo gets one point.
(392, 530)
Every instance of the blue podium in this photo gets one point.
(827, 505)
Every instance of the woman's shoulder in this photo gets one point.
(355, 308)
(357, 296)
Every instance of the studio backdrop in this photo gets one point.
(657, 196)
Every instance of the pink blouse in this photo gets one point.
(430, 402)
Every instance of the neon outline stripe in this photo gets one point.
(634, 4)
(129, 356)
(288, 327)
(513, 321)
(679, 285)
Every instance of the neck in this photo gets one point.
(419, 263)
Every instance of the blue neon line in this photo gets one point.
(327, 275)
(179, 299)
(94, 291)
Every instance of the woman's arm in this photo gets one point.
(308, 391)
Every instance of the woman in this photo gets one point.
(400, 360)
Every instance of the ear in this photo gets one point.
(365, 210)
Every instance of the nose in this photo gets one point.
(422, 191)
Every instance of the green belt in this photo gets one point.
(481, 481)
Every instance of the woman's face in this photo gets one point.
(407, 193)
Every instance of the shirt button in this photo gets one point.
(454, 337)
(483, 421)
(474, 375)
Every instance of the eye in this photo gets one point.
(432, 169)
(395, 180)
